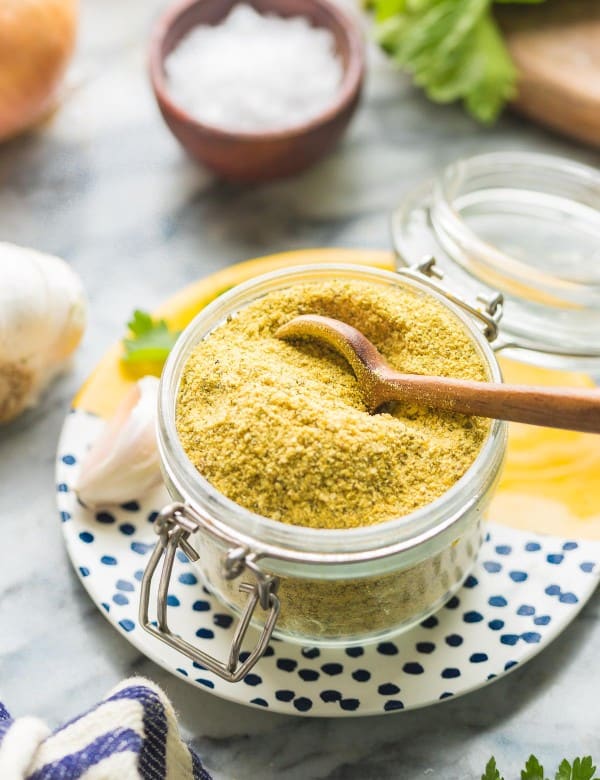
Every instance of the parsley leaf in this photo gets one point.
(491, 771)
(582, 769)
(151, 340)
(533, 770)
(452, 48)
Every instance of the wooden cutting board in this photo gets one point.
(556, 48)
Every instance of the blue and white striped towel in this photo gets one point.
(131, 735)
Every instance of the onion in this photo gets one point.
(36, 42)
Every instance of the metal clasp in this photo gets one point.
(174, 525)
(489, 313)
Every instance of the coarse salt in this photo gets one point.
(255, 72)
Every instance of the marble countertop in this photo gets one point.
(104, 185)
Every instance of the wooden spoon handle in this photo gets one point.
(573, 409)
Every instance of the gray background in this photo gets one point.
(105, 186)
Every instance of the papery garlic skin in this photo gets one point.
(42, 319)
(123, 463)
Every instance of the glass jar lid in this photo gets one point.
(528, 226)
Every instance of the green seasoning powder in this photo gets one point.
(281, 428)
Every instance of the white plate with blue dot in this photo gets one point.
(525, 589)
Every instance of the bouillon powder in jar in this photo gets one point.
(282, 430)
(368, 523)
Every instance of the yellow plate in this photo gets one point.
(551, 481)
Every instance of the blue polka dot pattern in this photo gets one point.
(388, 689)
(284, 695)
(141, 548)
(131, 506)
(311, 652)
(413, 668)
(287, 664)
(332, 669)
(526, 609)
(223, 621)
(355, 652)
(302, 704)
(308, 675)
(506, 611)
(472, 617)
(105, 517)
(393, 704)
(492, 567)
(478, 658)
(518, 576)
(387, 648)
(450, 672)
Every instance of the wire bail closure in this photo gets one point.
(174, 525)
(489, 313)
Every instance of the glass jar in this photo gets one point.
(318, 586)
(527, 226)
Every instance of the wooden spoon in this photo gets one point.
(573, 409)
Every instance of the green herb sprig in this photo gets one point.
(150, 342)
(580, 769)
(453, 49)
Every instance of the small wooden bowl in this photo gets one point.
(259, 156)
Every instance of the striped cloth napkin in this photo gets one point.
(131, 735)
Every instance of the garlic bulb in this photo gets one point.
(123, 462)
(42, 318)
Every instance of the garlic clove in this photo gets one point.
(123, 462)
